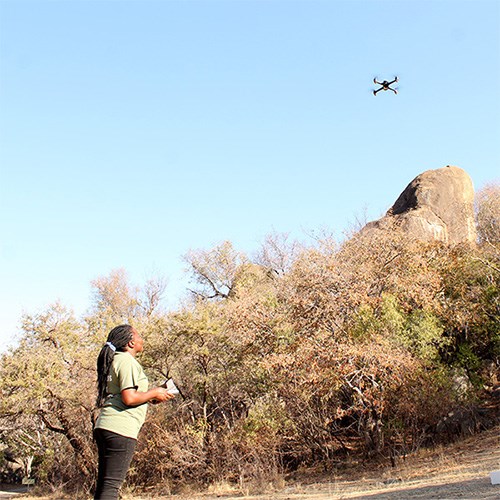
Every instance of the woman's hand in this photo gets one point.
(132, 397)
(162, 394)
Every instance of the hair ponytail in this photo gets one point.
(118, 339)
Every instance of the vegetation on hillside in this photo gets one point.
(297, 356)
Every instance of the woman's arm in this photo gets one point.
(133, 397)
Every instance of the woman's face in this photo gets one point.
(137, 341)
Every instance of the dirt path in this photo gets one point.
(457, 471)
(12, 491)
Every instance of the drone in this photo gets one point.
(385, 85)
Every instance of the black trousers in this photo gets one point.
(115, 455)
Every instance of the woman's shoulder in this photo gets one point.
(124, 359)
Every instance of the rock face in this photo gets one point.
(436, 205)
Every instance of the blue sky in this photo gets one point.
(133, 131)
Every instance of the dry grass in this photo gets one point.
(457, 471)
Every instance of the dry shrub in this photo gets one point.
(247, 454)
(325, 289)
(350, 395)
(180, 454)
(172, 452)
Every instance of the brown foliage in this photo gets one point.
(285, 362)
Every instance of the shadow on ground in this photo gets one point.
(12, 490)
(470, 489)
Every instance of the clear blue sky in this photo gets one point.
(133, 131)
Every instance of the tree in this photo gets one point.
(278, 253)
(215, 270)
(488, 214)
(47, 384)
(114, 301)
(152, 294)
(471, 307)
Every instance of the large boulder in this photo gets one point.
(436, 205)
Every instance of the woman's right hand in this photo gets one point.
(162, 394)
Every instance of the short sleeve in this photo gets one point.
(128, 375)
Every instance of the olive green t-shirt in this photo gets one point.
(115, 415)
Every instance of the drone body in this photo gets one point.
(385, 85)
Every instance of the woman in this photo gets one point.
(122, 395)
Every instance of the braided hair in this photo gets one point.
(118, 339)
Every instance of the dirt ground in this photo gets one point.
(457, 471)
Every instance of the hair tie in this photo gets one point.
(111, 346)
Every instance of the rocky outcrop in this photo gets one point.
(437, 205)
